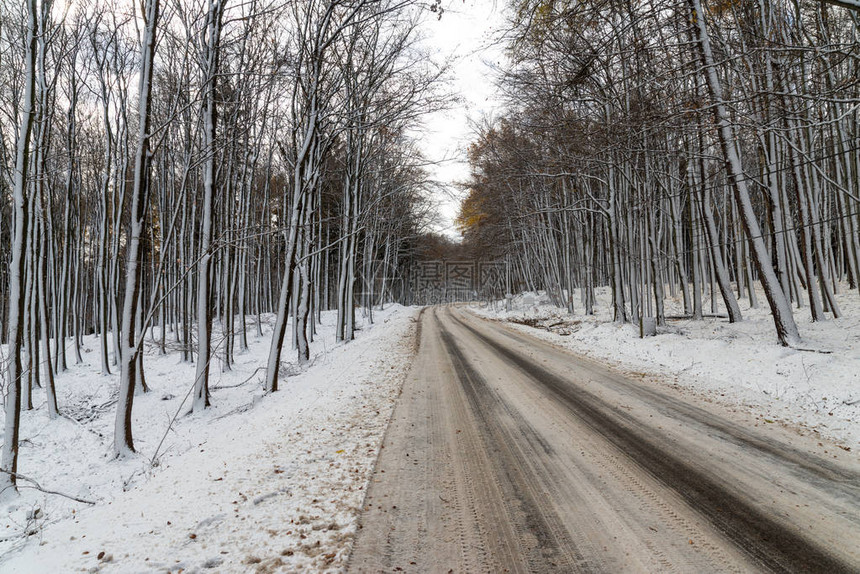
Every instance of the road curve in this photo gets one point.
(507, 454)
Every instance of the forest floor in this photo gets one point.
(256, 483)
(814, 391)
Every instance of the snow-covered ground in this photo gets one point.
(257, 483)
(275, 483)
(734, 364)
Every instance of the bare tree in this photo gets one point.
(129, 375)
(209, 56)
(8, 476)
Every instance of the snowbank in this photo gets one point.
(257, 483)
(735, 364)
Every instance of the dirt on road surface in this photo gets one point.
(507, 454)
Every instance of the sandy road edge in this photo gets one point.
(415, 334)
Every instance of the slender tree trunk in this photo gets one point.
(780, 308)
(123, 440)
(204, 266)
(720, 271)
(41, 277)
(8, 476)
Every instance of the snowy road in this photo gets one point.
(508, 454)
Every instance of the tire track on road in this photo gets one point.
(554, 549)
(770, 543)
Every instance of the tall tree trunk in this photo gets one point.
(780, 308)
(9, 462)
(123, 439)
(204, 266)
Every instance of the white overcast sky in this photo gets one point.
(465, 36)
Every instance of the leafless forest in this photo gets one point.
(170, 163)
(676, 146)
